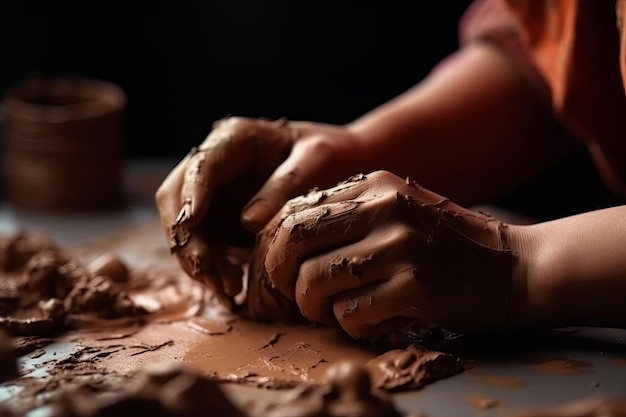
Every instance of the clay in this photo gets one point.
(111, 266)
(8, 358)
(264, 302)
(167, 390)
(347, 391)
(102, 297)
(411, 368)
(17, 249)
(557, 366)
(44, 287)
(502, 381)
(480, 402)
(181, 320)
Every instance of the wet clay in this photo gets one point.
(559, 366)
(44, 290)
(168, 390)
(411, 368)
(502, 381)
(8, 358)
(264, 302)
(347, 391)
(481, 402)
(181, 319)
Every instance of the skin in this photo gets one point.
(468, 132)
(269, 163)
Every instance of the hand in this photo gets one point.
(244, 164)
(376, 248)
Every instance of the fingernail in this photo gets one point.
(257, 214)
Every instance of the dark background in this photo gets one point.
(187, 63)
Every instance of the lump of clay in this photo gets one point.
(16, 250)
(411, 368)
(163, 390)
(347, 391)
(42, 287)
(264, 302)
(109, 265)
(101, 297)
(43, 278)
(8, 359)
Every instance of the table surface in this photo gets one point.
(517, 371)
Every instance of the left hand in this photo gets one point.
(379, 247)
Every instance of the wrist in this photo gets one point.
(524, 308)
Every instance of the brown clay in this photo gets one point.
(45, 286)
(347, 391)
(111, 266)
(162, 390)
(481, 402)
(8, 358)
(411, 368)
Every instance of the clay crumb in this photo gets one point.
(481, 402)
(37, 353)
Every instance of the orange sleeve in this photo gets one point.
(576, 47)
(492, 21)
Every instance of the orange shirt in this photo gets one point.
(572, 48)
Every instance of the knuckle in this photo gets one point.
(309, 310)
(310, 277)
(382, 175)
(403, 236)
(161, 194)
(321, 145)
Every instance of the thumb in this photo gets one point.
(301, 171)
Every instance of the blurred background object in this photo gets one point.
(184, 64)
(63, 144)
(187, 63)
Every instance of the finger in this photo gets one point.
(304, 234)
(228, 151)
(230, 275)
(196, 259)
(168, 202)
(293, 177)
(357, 265)
(362, 313)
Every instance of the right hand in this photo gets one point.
(229, 187)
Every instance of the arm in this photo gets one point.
(575, 273)
(473, 130)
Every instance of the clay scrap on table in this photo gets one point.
(120, 315)
(8, 358)
(174, 390)
(42, 288)
(411, 368)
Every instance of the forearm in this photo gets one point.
(574, 271)
(471, 131)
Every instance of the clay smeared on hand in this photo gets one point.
(265, 302)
